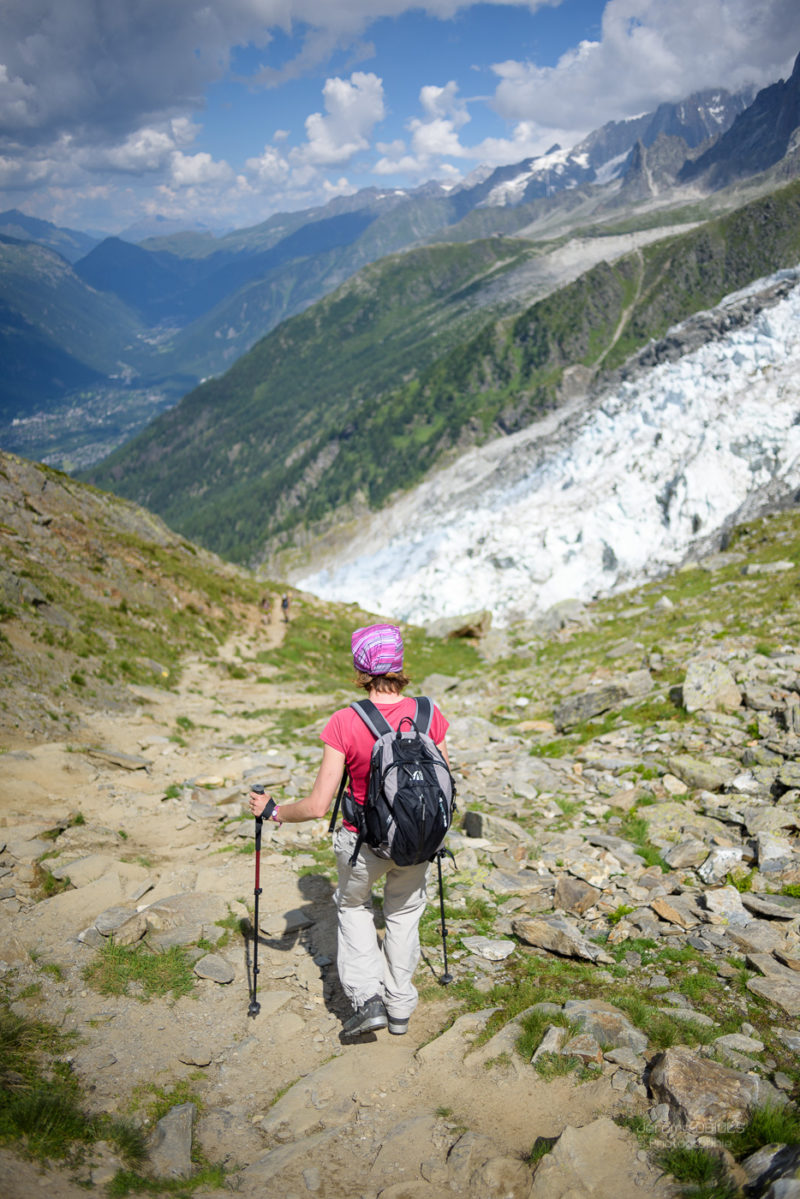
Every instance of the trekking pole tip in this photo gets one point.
(255, 1008)
(446, 979)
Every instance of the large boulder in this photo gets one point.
(709, 685)
(705, 1097)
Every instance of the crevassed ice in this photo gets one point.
(590, 501)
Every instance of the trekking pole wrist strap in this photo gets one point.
(269, 808)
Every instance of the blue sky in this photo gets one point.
(222, 112)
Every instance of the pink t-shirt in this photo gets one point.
(347, 732)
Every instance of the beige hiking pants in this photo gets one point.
(366, 968)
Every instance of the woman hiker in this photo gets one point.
(377, 981)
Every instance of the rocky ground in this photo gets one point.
(623, 908)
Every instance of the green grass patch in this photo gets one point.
(556, 1065)
(41, 1103)
(641, 1126)
(702, 1173)
(768, 1125)
(139, 970)
(206, 1178)
(45, 885)
(154, 1101)
(634, 828)
(540, 1148)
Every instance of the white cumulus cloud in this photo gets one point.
(352, 109)
(191, 170)
(651, 51)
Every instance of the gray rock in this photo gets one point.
(115, 757)
(492, 949)
(724, 904)
(262, 1172)
(471, 625)
(748, 783)
(703, 1096)
(759, 936)
(760, 818)
(551, 1042)
(583, 1046)
(672, 822)
(495, 828)
(579, 708)
(740, 1043)
(688, 1015)
(775, 907)
(770, 1165)
(720, 862)
(590, 1160)
(789, 774)
(574, 895)
(784, 992)
(216, 968)
(113, 918)
(760, 698)
(556, 935)
(626, 1059)
(708, 773)
(686, 854)
(558, 616)
(284, 924)
(709, 685)
(191, 907)
(504, 882)
(171, 1145)
(773, 853)
(606, 1023)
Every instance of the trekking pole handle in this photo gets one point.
(270, 804)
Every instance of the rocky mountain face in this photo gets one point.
(604, 154)
(758, 138)
(622, 911)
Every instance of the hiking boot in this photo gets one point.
(398, 1025)
(370, 1016)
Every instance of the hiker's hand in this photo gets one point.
(258, 801)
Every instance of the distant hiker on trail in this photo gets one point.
(285, 608)
(266, 608)
(377, 980)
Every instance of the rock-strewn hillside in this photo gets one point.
(623, 908)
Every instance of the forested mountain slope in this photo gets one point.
(56, 334)
(319, 415)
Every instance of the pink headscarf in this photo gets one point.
(378, 649)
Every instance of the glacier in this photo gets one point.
(598, 496)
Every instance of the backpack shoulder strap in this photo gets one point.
(377, 724)
(336, 806)
(423, 717)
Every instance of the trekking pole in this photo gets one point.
(447, 976)
(255, 1006)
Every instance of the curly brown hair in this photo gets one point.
(393, 682)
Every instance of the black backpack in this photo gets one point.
(410, 793)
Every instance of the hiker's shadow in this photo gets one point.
(312, 926)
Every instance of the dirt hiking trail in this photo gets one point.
(284, 1103)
